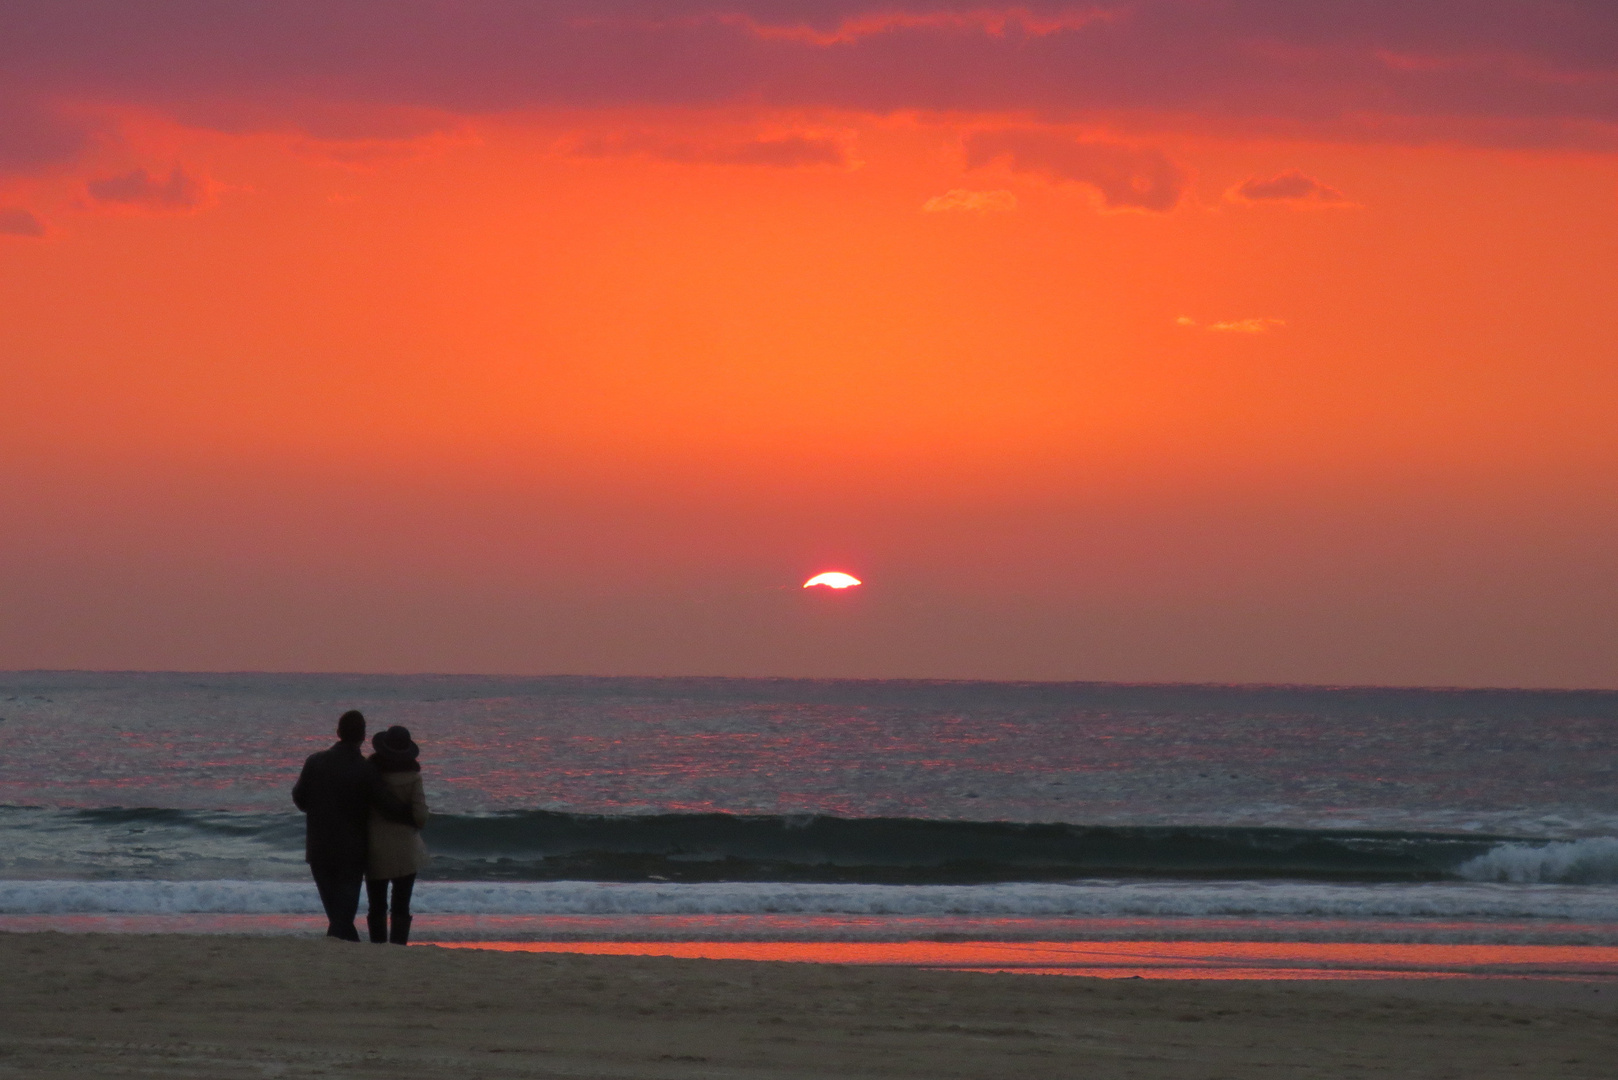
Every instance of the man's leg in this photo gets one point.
(340, 895)
(402, 888)
(376, 914)
(326, 884)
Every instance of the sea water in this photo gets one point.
(825, 810)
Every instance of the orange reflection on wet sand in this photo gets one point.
(1143, 959)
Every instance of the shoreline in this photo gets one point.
(1126, 948)
(1147, 959)
(222, 1006)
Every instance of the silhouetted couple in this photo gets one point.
(364, 825)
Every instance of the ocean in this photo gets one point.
(837, 812)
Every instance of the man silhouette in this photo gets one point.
(336, 791)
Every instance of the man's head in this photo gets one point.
(351, 726)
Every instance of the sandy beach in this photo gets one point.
(195, 1006)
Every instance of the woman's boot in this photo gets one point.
(401, 930)
(377, 923)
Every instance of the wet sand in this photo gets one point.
(85, 1005)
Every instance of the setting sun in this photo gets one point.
(833, 579)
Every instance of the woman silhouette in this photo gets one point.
(396, 850)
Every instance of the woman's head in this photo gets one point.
(394, 750)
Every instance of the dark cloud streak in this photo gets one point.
(1292, 185)
(140, 189)
(15, 221)
(1127, 177)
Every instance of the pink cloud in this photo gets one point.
(141, 190)
(1126, 177)
(1262, 325)
(960, 200)
(1289, 186)
(1247, 326)
(15, 221)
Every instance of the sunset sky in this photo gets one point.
(1171, 340)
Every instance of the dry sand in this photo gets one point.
(171, 1006)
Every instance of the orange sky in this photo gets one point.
(594, 387)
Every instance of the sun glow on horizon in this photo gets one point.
(833, 579)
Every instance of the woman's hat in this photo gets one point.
(395, 743)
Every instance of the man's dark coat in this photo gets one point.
(337, 789)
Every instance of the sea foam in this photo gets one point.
(1592, 861)
(1089, 900)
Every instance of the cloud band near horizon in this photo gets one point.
(1497, 72)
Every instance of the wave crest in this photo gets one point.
(1593, 861)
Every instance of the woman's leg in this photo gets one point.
(376, 915)
(402, 888)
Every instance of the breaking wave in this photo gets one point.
(1573, 862)
(540, 846)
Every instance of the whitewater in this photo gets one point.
(673, 809)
